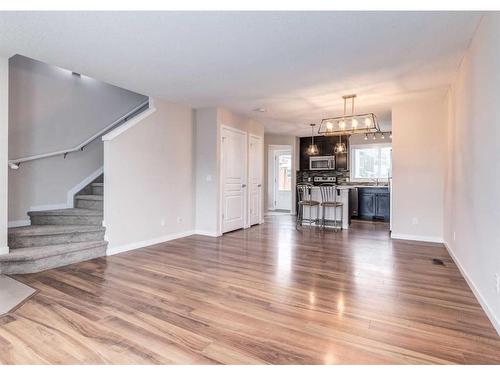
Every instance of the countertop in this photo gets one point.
(350, 186)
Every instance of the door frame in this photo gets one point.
(261, 203)
(221, 177)
(271, 183)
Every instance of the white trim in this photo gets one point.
(145, 243)
(482, 301)
(4, 250)
(411, 237)
(129, 124)
(86, 181)
(18, 223)
(207, 233)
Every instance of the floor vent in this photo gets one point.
(437, 262)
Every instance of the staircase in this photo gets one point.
(57, 238)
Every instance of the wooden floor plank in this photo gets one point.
(268, 294)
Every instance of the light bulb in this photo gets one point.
(329, 126)
(354, 123)
(383, 136)
(374, 136)
(366, 137)
(368, 122)
(342, 124)
(390, 135)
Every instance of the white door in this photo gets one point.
(283, 180)
(255, 179)
(233, 160)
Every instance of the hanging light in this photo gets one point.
(366, 136)
(312, 149)
(383, 136)
(390, 135)
(340, 147)
(374, 137)
(349, 124)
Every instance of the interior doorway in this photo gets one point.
(280, 187)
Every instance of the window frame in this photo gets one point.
(352, 162)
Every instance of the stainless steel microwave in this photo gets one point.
(319, 163)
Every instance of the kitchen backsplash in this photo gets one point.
(307, 176)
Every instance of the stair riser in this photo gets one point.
(65, 220)
(90, 205)
(97, 190)
(53, 239)
(12, 268)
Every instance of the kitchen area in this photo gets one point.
(357, 162)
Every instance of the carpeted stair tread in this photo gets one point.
(67, 212)
(35, 253)
(41, 230)
(90, 197)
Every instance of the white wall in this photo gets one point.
(51, 109)
(4, 129)
(207, 175)
(149, 180)
(472, 204)
(280, 139)
(418, 169)
(208, 123)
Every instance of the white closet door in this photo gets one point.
(234, 156)
(255, 179)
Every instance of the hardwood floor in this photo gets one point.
(269, 294)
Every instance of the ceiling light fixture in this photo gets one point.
(349, 124)
(312, 149)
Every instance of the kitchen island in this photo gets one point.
(343, 197)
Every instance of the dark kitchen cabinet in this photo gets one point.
(326, 147)
(366, 202)
(374, 203)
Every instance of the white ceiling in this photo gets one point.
(295, 64)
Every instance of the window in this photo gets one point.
(285, 172)
(371, 161)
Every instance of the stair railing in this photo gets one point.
(15, 163)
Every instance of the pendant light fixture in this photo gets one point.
(349, 124)
(312, 149)
(340, 147)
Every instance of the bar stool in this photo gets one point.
(329, 199)
(305, 200)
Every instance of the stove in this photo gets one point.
(325, 179)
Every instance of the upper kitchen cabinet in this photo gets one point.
(325, 147)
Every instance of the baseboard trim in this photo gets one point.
(207, 233)
(70, 197)
(411, 237)
(4, 249)
(145, 243)
(482, 301)
(18, 223)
